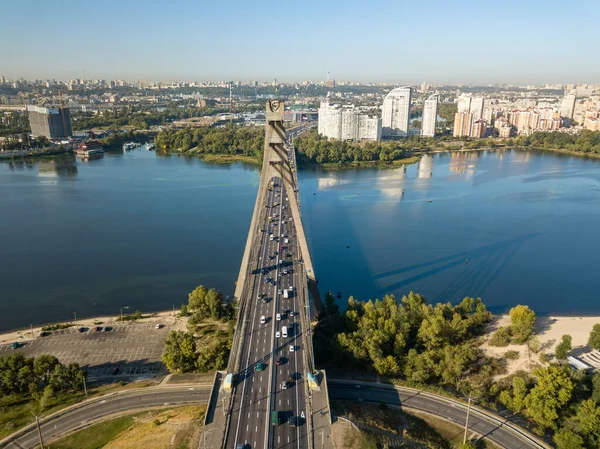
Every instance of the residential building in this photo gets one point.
(429, 116)
(478, 129)
(477, 108)
(592, 123)
(464, 103)
(505, 131)
(396, 112)
(50, 122)
(462, 124)
(567, 107)
(347, 123)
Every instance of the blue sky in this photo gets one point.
(451, 41)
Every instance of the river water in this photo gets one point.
(139, 231)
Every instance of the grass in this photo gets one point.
(176, 427)
(450, 431)
(15, 411)
(227, 158)
(96, 436)
(369, 164)
(391, 420)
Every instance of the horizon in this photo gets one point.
(213, 42)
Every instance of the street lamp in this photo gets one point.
(37, 421)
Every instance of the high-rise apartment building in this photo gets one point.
(396, 112)
(462, 124)
(429, 116)
(464, 103)
(53, 123)
(347, 123)
(476, 109)
(567, 107)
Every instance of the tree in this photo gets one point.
(500, 338)
(596, 388)
(567, 439)
(206, 303)
(331, 307)
(387, 366)
(516, 401)
(522, 321)
(564, 347)
(180, 352)
(587, 422)
(594, 340)
(468, 445)
(551, 393)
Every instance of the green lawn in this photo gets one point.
(96, 436)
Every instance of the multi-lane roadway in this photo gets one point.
(271, 375)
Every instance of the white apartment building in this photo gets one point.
(429, 116)
(347, 123)
(396, 112)
(477, 108)
(567, 107)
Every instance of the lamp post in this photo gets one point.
(37, 422)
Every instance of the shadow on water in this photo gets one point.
(352, 251)
(488, 261)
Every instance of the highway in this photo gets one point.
(271, 367)
(492, 426)
(80, 416)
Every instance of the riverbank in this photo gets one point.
(23, 335)
(549, 331)
(365, 164)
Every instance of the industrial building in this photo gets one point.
(50, 122)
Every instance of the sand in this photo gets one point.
(549, 331)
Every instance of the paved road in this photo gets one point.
(496, 429)
(491, 427)
(258, 392)
(135, 399)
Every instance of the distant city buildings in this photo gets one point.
(429, 122)
(53, 123)
(396, 112)
(347, 123)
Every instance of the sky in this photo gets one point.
(397, 41)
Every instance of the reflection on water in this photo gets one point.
(64, 166)
(425, 167)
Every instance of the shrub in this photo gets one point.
(512, 355)
(501, 338)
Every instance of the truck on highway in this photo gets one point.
(275, 418)
(286, 294)
(284, 333)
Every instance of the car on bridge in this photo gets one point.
(261, 366)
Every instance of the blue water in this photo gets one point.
(141, 231)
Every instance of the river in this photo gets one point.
(139, 231)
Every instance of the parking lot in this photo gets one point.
(125, 350)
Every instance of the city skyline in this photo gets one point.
(190, 41)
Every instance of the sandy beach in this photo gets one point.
(165, 317)
(549, 331)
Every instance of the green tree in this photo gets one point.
(587, 422)
(564, 347)
(180, 352)
(596, 388)
(522, 321)
(594, 340)
(567, 439)
(551, 393)
(516, 400)
(501, 338)
(387, 366)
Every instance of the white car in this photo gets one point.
(278, 317)
(263, 320)
(292, 348)
(290, 289)
(277, 334)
